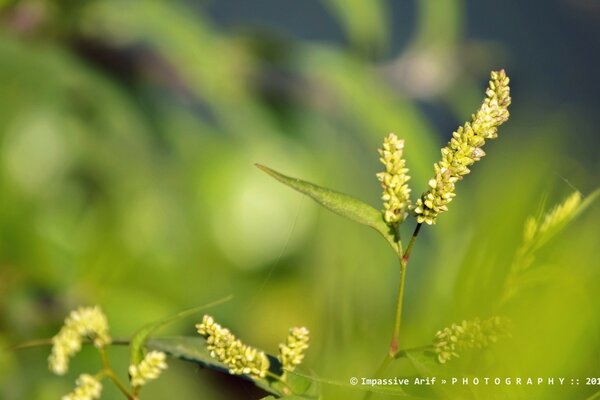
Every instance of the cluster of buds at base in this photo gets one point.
(474, 334)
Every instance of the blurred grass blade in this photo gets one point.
(366, 23)
(141, 336)
(340, 203)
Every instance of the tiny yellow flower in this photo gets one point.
(224, 347)
(88, 388)
(291, 353)
(148, 369)
(452, 340)
(84, 322)
(560, 213)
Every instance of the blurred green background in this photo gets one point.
(128, 133)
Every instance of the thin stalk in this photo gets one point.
(382, 367)
(399, 302)
(108, 371)
(411, 244)
(394, 344)
(48, 342)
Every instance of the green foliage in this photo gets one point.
(127, 136)
(339, 203)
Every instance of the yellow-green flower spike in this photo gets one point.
(224, 347)
(560, 213)
(88, 388)
(396, 200)
(291, 353)
(452, 340)
(464, 149)
(84, 322)
(148, 369)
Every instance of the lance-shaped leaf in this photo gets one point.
(340, 203)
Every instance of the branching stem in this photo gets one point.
(108, 372)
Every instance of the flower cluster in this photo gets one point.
(396, 200)
(85, 322)
(452, 340)
(560, 213)
(148, 369)
(291, 353)
(464, 149)
(238, 357)
(88, 388)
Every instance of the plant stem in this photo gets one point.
(395, 351)
(382, 367)
(108, 371)
(396, 335)
(48, 342)
(394, 345)
(411, 244)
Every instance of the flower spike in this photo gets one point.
(396, 193)
(464, 149)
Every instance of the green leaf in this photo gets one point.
(186, 348)
(424, 362)
(340, 203)
(366, 22)
(194, 349)
(141, 336)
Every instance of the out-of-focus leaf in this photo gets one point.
(366, 22)
(373, 107)
(423, 361)
(140, 337)
(339, 203)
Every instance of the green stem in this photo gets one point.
(411, 244)
(395, 345)
(382, 367)
(48, 342)
(108, 371)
